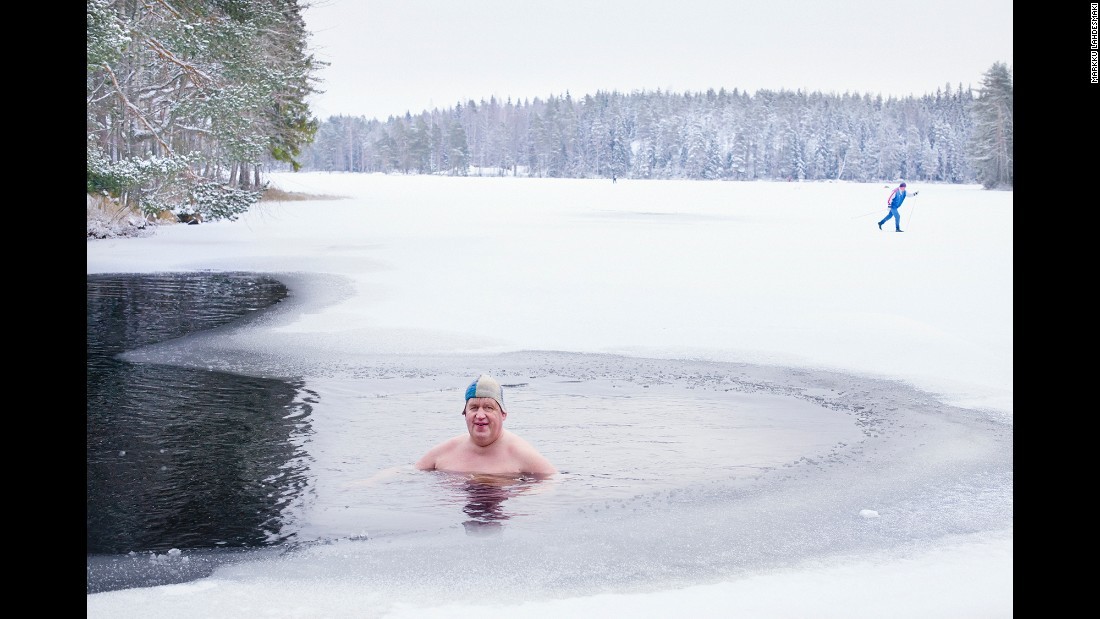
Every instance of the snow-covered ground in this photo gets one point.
(792, 275)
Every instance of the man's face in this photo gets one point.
(484, 420)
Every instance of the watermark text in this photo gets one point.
(1094, 68)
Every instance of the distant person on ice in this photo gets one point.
(897, 196)
(486, 447)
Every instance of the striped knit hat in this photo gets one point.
(486, 387)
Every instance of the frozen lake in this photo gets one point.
(732, 378)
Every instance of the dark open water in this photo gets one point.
(177, 457)
(678, 472)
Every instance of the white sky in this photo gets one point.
(391, 56)
(790, 273)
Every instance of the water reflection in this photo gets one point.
(483, 497)
(178, 457)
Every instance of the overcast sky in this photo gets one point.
(387, 57)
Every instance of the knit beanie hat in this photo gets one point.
(486, 387)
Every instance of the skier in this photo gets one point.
(897, 196)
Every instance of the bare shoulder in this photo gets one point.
(428, 460)
(530, 459)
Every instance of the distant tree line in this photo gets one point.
(661, 135)
(188, 99)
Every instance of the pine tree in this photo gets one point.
(459, 156)
(991, 140)
(186, 100)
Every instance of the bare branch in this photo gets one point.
(198, 76)
(137, 113)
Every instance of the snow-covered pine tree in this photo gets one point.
(991, 139)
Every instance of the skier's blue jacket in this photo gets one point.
(897, 196)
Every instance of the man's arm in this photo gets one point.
(531, 460)
(379, 477)
(541, 467)
(428, 461)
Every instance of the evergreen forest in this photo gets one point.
(768, 135)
